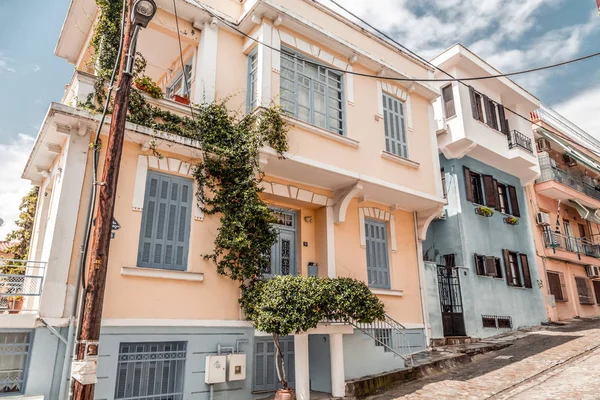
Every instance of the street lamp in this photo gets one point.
(142, 12)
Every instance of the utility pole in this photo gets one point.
(140, 14)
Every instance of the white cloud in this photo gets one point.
(37, 68)
(12, 187)
(582, 110)
(5, 64)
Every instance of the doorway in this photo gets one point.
(283, 252)
(451, 301)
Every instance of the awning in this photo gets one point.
(569, 150)
(590, 214)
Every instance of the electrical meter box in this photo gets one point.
(216, 368)
(236, 367)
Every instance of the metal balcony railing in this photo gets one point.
(572, 244)
(549, 172)
(21, 283)
(517, 139)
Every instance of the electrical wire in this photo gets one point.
(450, 79)
(185, 78)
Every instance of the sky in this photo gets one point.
(509, 34)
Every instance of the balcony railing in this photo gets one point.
(583, 184)
(21, 283)
(517, 139)
(580, 246)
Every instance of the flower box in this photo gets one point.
(511, 220)
(484, 211)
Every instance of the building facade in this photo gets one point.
(565, 200)
(354, 196)
(481, 273)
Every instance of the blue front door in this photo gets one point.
(283, 252)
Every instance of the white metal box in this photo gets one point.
(216, 368)
(236, 367)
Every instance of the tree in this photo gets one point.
(22, 235)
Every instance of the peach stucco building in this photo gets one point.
(565, 204)
(362, 173)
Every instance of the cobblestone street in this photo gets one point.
(553, 363)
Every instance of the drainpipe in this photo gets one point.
(422, 286)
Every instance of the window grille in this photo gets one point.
(151, 371)
(14, 357)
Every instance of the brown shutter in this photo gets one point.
(597, 291)
(563, 286)
(474, 107)
(526, 271)
(488, 111)
(503, 121)
(448, 98)
(468, 187)
(554, 285)
(490, 266)
(496, 195)
(509, 275)
(490, 195)
(514, 202)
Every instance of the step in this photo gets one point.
(453, 340)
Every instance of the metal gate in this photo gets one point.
(451, 301)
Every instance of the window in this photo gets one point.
(495, 116)
(166, 219)
(476, 188)
(502, 199)
(597, 291)
(448, 97)
(395, 126)
(178, 84)
(312, 93)
(14, 359)
(583, 291)
(252, 96)
(488, 266)
(518, 272)
(444, 188)
(151, 371)
(557, 286)
(480, 264)
(498, 268)
(476, 105)
(491, 115)
(449, 260)
(378, 268)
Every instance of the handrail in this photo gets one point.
(21, 283)
(550, 172)
(518, 139)
(571, 243)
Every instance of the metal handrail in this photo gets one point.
(571, 243)
(517, 139)
(550, 172)
(21, 283)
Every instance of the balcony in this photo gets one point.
(517, 139)
(579, 246)
(575, 184)
(21, 283)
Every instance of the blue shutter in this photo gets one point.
(252, 94)
(396, 141)
(166, 219)
(378, 267)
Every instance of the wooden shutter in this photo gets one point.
(378, 268)
(468, 187)
(563, 286)
(583, 291)
(503, 121)
(554, 285)
(490, 266)
(488, 111)
(448, 97)
(514, 202)
(479, 268)
(474, 108)
(497, 196)
(166, 219)
(526, 270)
(509, 275)
(490, 194)
(597, 291)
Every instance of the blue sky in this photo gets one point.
(509, 34)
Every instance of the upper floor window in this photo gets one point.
(178, 85)
(166, 220)
(485, 190)
(448, 98)
(252, 97)
(395, 126)
(312, 93)
(488, 111)
(14, 357)
(378, 265)
(151, 370)
(517, 268)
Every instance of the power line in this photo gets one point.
(451, 79)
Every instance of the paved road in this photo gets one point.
(558, 363)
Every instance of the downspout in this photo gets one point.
(422, 285)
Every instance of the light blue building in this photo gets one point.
(481, 272)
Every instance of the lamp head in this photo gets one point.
(143, 11)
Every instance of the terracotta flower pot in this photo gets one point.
(15, 306)
(282, 394)
(181, 99)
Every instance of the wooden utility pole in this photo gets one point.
(94, 296)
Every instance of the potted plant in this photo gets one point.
(15, 304)
(146, 84)
(180, 99)
(288, 305)
(485, 211)
(511, 220)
